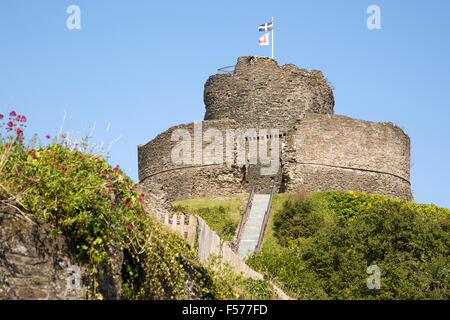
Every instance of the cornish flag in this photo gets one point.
(264, 40)
(266, 27)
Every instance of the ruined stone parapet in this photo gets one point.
(260, 93)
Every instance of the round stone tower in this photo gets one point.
(260, 93)
(317, 150)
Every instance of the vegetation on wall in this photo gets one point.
(99, 208)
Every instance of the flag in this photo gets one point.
(264, 40)
(266, 27)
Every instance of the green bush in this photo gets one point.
(407, 241)
(298, 219)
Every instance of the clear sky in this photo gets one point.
(141, 65)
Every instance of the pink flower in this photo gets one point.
(63, 166)
(47, 136)
(12, 114)
(20, 118)
(142, 194)
(1, 115)
(140, 200)
(125, 201)
(10, 124)
(128, 226)
(19, 131)
(52, 165)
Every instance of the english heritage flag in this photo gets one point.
(264, 40)
(266, 27)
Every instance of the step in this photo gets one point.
(252, 228)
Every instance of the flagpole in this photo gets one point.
(272, 37)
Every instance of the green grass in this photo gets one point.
(222, 214)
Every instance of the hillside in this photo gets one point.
(319, 245)
(62, 206)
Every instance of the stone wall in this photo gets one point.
(36, 265)
(159, 174)
(333, 152)
(317, 149)
(155, 156)
(259, 93)
(209, 243)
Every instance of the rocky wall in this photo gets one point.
(260, 93)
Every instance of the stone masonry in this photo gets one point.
(318, 150)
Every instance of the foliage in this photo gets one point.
(225, 284)
(337, 235)
(297, 220)
(98, 208)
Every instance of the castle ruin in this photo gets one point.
(318, 150)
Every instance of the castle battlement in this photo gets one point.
(318, 150)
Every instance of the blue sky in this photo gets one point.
(141, 66)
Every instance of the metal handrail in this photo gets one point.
(265, 221)
(228, 69)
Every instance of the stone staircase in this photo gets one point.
(252, 227)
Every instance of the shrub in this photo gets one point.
(407, 241)
(298, 219)
(96, 206)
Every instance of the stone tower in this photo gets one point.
(260, 93)
(318, 150)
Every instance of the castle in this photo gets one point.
(316, 149)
